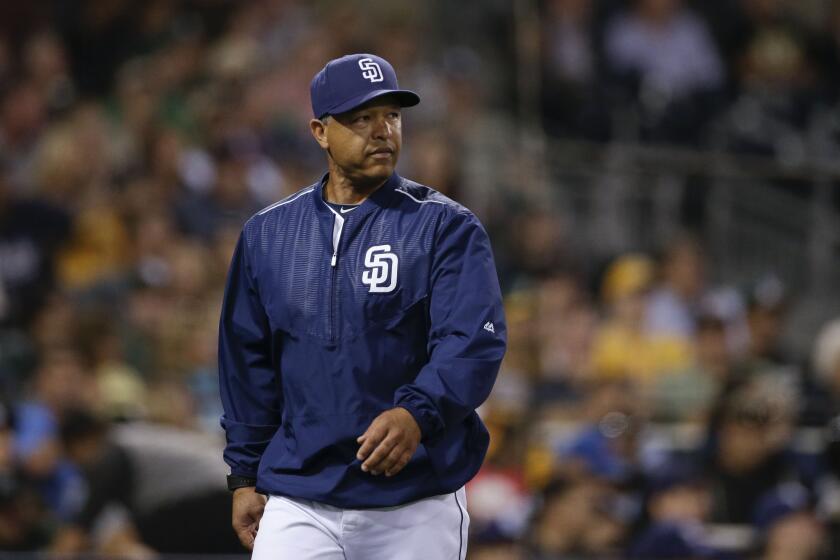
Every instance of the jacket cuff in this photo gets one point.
(245, 446)
(235, 482)
(243, 473)
(425, 414)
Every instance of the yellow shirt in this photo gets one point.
(619, 352)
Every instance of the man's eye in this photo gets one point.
(394, 115)
(361, 119)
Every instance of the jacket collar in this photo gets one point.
(380, 198)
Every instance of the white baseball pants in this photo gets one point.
(430, 529)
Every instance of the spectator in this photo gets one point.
(623, 347)
(749, 448)
(667, 50)
(674, 303)
(144, 480)
(45, 59)
(231, 200)
(120, 388)
(829, 54)
(614, 445)
(826, 362)
(22, 122)
(826, 356)
(566, 324)
(569, 47)
(775, 52)
(776, 72)
(31, 233)
(60, 382)
(678, 506)
(23, 521)
(573, 99)
(498, 498)
(689, 394)
(789, 527)
(766, 306)
(577, 517)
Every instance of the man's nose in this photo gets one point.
(382, 128)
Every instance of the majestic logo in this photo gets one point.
(370, 70)
(381, 273)
(490, 327)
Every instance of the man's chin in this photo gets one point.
(378, 173)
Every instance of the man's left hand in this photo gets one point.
(389, 442)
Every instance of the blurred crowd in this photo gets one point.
(642, 411)
(659, 416)
(755, 76)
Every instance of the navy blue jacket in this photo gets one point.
(329, 319)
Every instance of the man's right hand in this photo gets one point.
(248, 508)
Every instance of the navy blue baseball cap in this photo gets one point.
(347, 82)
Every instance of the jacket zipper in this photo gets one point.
(338, 225)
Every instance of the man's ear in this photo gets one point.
(319, 132)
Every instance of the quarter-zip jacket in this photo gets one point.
(329, 319)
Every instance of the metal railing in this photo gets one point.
(756, 215)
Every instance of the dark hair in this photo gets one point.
(78, 424)
(709, 322)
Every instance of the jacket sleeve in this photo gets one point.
(248, 380)
(467, 335)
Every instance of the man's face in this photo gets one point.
(365, 142)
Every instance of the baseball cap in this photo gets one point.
(674, 540)
(354, 79)
(628, 275)
(673, 474)
(784, 500)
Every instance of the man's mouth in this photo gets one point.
(382, 152)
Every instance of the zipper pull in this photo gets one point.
(334, 258)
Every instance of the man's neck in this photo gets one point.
(340, 189)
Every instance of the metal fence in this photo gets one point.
(756, 215)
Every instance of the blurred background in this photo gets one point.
(661, 183)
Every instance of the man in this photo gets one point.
(141, 480)
(362, 325)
